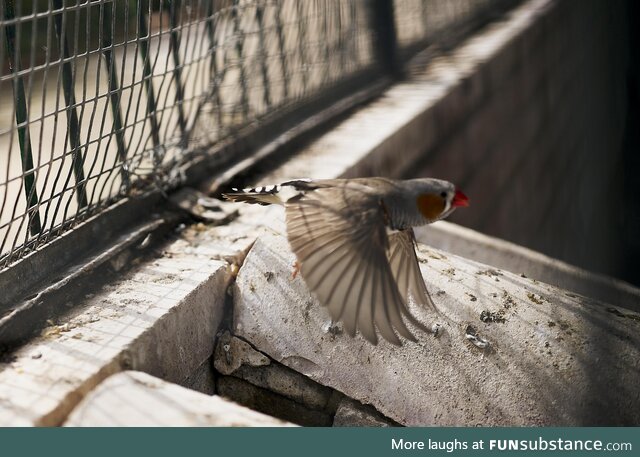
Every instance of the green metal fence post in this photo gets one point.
(143, 39)
(382, 23)
(22, 121)
(177, 65)
(114, 91)
(70, 100)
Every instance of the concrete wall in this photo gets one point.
(540, 151)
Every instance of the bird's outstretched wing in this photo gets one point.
(343, 259)
(406, 271)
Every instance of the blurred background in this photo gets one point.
(550, 158)
(103, 100)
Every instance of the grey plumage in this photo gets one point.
(355, 246)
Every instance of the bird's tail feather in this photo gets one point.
(266, 195)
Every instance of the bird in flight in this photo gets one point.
(355, 247)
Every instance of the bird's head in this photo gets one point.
(436, 199)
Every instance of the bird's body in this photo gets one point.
(354, 243)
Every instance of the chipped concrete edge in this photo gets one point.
(58, 415)
(133, 398)
(49, 376)
(151, 352)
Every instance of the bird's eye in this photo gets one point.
(443, 194)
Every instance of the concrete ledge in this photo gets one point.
(135, 399)
(353, 414)
(557, 359)
(251, 378)
(553, 358)
(160, 318)
(517, 259)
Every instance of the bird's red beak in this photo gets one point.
(460, 199)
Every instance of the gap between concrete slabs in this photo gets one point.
(160, 318)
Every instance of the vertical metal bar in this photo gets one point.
(327, 41)
(382, 23)
(22, 122)
(302, 42)
(244, 96)
(144, 38)
(424, 12)
(177, 66)
(340, 38)
(263, 54)
(45, 184)
(282, 50)
(213, 68)
(114, 90)
(353, 34)
(73, 126)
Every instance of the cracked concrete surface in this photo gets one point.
(554, 357)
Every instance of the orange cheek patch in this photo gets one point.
(431, 206)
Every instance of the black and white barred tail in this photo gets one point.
(269, 195)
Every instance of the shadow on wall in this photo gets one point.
(548, 155)
(631, 158)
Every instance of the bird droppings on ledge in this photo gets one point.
(333, 328)
(490, 316)
(537, 300)
(449, 271)
(285, 323)
(471, 334)
(489, 272)
(565, 327)
(507, 300)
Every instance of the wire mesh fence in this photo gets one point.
(104, 99)
(422, 22)
(419, 21)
